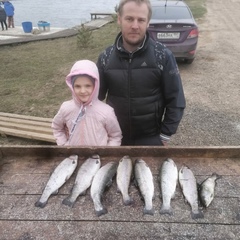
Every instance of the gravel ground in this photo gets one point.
(211, 82)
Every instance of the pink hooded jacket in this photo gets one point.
(97, 127)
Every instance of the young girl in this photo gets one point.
(85, 120)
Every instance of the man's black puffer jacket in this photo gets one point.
(146, 93)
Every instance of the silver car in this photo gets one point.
(172, 23)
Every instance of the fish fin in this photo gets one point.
(83, 193)
(217, 175)
(109, 183)
(67, 202)
(165, 210)
(101, 212)
(196, 215)
(174, 195)
(148, 211)
(55, 192)
(40, 204)
(67, 177)
(201, 203)
(135, 182)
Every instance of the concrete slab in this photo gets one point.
(18, 32)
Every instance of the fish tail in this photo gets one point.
(101, 212)
(148, 211)
(40, 204)
(68, 202)
(127, 200)
(217, 175)
(166, 210)
(83, 193)
(196, 215)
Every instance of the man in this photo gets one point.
(3, 17)
(9, 8)
(141, 80)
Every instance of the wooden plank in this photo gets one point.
(25, 164)
(35, 173)
(21, 207)
(95, 14)
(26, 127)
(24, 121)
(23, 177)
(29, 135)
(230, 153)
(228, 186)
(27, 117)
(102, 230)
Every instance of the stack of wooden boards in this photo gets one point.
(30, 127)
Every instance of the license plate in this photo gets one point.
(168, 35)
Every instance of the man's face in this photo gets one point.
(134, 23)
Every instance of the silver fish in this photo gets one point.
(188, 184)
(124, 174)
(206, 189)
(168, 181)
(144, 181)
(83, 179)
(101, 180)
(59, 176)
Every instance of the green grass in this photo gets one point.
(197, 7)
(32, 80)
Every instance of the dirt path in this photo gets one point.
(212, 82)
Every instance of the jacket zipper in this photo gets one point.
(129, 95)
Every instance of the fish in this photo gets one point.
(206, 189)
(83, 179)
(124, 174)
(102, 179)
(59, 176)
(144, 181)
(188, 185)
(168, 177)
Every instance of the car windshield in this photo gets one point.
(169, 12)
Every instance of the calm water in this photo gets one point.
(59, 13)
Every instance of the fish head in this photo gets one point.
(125, 157)
(95, 156)
(139, 160)
(74, 159)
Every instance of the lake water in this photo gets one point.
(60, 13)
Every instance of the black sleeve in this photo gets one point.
(173, 95)
(103, 85)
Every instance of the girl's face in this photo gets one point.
(83, 88)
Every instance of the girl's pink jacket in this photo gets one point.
(98, 126)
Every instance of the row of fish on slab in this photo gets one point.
(96, 177)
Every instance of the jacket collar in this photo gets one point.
(120, 48)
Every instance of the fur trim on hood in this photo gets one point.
(84, 67)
